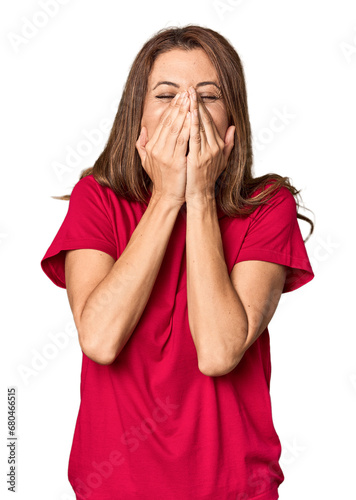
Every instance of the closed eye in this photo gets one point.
(214, 98)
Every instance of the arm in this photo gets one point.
(225, 316)
(107, 297)
(226, 313)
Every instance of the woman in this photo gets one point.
(174, 259)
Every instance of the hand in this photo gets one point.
(208, 152)
(163, 157)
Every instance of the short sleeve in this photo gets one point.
(274, 236)
(87, 224)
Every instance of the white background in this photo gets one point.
(63, 81)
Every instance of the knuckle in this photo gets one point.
(196, 138)
(174, 129)
(163, 119)
(164, 161)
(154, 152)
(181, 140)
(167, 122)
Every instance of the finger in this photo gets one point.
(183, 138)
(197, 104)
(229, 141)
(141, 143)
(207, 124)
(195, 135)
(164, 117)
(169, 134)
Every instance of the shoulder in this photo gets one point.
(88, 188)
(281, 206)
(280, 195)
(88, 196)
(87, 183)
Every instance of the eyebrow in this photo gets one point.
(201, 84)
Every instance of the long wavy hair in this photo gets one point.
(119, 165)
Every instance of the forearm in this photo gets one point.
(115, 306)
(217, 318)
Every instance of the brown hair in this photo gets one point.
(119, 165)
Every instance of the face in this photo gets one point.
(183, 68)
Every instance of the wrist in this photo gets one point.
(201, 202)
(166, 202)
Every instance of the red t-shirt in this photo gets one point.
(151, 426)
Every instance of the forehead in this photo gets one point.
(184, 67)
